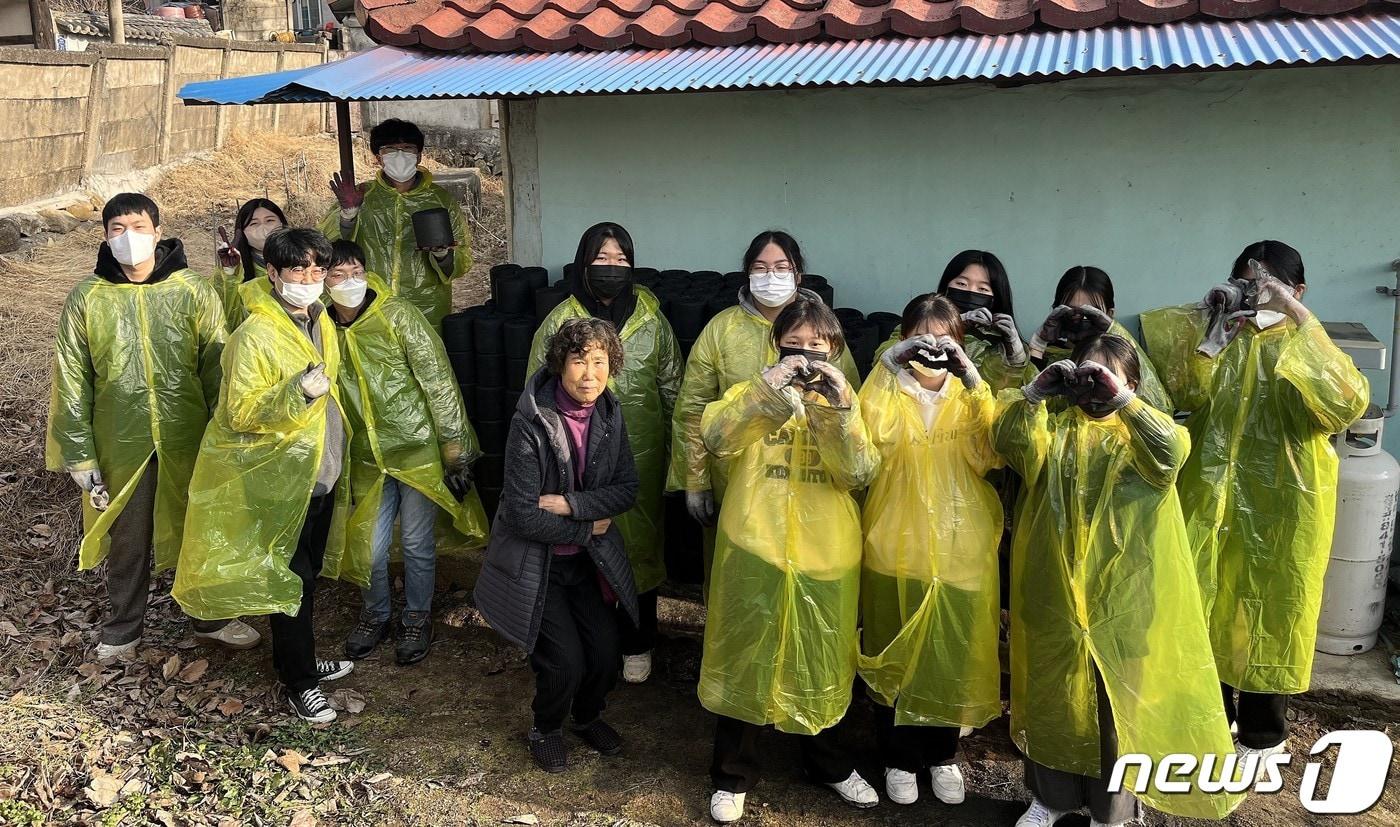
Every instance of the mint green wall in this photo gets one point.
(1159, 180)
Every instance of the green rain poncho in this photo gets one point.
(232, 284)
(929, 581)
(384, 229)
(780, 642)
(256, 469)
(1102, 579)
(1260, 489)
(136, 373)
(406, 418)
(1149, 388)
(647, 388)
(986, 356)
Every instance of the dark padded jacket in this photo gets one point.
(510, 591)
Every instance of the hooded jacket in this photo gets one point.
(510, 590)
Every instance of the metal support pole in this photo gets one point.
(342, 137)
(1393, 399)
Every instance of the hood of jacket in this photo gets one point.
(170, 259)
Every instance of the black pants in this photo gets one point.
(128, 571)
(1067, 792)
(738, 758)
(293, 637)
(639, 639)
(577, 654)
(1262, 717)
(913, 748)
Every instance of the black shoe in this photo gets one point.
(414, 640)
(548, 750)
(330, 670)
(310, 705)
(600, 736)
(364, 637)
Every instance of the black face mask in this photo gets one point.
(810, 376)
(607, 281)
(968, 301)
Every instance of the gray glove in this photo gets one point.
(1057, 379)
(958, 363)
(899, 353)
(87, 480)
(1012, 351)
(1101, 390)
(701, 505)
(314, 381)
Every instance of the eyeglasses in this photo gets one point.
(307, 273)
(783, 272)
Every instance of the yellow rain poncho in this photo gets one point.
(929, 582)
(1102, 579)
(986, 356)
(647, 388)
(230, 285)
(406, 418)
(780, 642)
(136, 373)
(384, 228)
(257, 466)
(1150, 389)
(1260, 489)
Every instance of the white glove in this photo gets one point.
(314, 381)
(701, 505)
(781, 375)
(87, 480)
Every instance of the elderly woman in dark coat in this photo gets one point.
(556, 567)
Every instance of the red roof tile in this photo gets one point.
(556, 25)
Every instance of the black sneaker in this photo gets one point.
(415, 638)
(330, 670)
(600, 736)
(366, 635)
(311, 705)
(548, 750)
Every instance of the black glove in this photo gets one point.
(459, 480)
(1057, 379)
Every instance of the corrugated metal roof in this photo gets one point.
(392, 73)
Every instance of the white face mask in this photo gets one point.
(348, 293)
(1264, 319)
(300, 295)
(925, 370)
(772, 289)
(400, 166)
(132, 248)
(258, 235)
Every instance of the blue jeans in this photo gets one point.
(417, 516)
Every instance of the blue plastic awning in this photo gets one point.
(391, 73)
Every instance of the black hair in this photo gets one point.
(344, 252)
(931, 307)
(815, 314)
(1091, 280)
(130, 203)
(245, 214)
(593, 240)
(780, 238)
(1114, 353)
(996, 274)
(395, 131)
(296, 247)
(1282, 260)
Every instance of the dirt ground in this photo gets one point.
(186, 734)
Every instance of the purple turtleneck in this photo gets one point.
(576, 417)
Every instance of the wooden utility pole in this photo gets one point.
(117, 21)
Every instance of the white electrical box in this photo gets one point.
(1368, 352)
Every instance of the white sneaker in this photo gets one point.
(948, 784)
(726, 807)
(235, 635)
(636, 668)
(963, 732)
(1039, 815)
(108, 651)
(856, 791)
(901, 787)
(1244, 752)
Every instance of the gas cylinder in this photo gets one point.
(1353, 593)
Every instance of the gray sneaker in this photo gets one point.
(366, 635)
(415, 637)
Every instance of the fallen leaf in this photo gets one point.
(329, 761)
(171, 668)
(9, 628)
(103, 789)
(303, 818)
(292, 761)
(194, 671)
(89, 669)
(347, 700)
(231, 707)
(380, 778)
